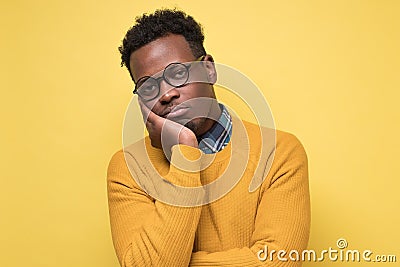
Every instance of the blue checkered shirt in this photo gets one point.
(219, 135)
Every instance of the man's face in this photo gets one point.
(152, 59)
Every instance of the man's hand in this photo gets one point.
(165, 133)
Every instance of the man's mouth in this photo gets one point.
(174, 112)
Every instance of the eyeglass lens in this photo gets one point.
(175, 74)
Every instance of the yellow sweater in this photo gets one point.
(229, 231)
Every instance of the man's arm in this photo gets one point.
(283, 214)
(145, 231)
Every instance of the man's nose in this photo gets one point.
(168, 92)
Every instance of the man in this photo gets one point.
(154, 221)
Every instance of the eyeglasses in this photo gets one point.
(175, 74)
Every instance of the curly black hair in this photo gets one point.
(162, 22)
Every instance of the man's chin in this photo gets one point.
(196, 125)
(192, 126)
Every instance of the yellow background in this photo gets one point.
(329, 69)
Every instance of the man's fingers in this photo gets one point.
(146, 112)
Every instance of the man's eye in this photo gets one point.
(176, 73)
(148, 89)
(179, 74)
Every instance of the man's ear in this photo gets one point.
(210, 68)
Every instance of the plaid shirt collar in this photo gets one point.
(217, 138)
